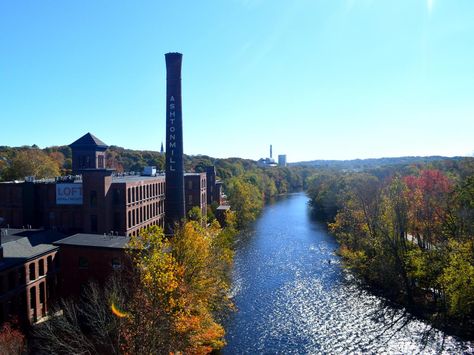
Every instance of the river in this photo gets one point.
(294, 297)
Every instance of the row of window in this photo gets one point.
(160, 222)
(144, 213)
(203, 199)
(38, 310)
(17, 277)
(190, 184)
(144, 192)
(87, 161)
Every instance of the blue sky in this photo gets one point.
(318, 79)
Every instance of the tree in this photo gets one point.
(180, 286)
(12, 340)
(427, 197)
(246, 200)
(85, 326)
(31, 162)
(457, 279)
(195, 214)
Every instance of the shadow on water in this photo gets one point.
(294, 297)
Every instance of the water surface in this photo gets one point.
(293, 297)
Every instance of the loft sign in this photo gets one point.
(172, 133)
(69, 194)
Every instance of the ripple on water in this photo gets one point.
(292, 300)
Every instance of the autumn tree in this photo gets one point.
(58, 158)
(31, 162)
(180, 288)
(427, 197)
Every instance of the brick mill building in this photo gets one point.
(92, 202)
(59, 233)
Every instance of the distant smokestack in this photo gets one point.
(271, 154)
(174, 195)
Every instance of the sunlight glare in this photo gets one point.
(429, 4)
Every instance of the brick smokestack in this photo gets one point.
(174, 203)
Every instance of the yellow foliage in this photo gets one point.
(181, 281)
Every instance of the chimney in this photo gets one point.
(271, 152)
(174, 194)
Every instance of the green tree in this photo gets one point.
(457, 279)
(246, 200)
(31, 162)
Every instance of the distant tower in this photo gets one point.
(88, 152)
(162, 151)
(271, 153)
(282, 160)
(174, 195)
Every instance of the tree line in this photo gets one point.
(246, 185)
(408, 232)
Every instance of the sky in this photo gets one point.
(318, 79)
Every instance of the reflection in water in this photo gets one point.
(293, 296)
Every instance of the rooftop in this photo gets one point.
(223, 208)
(88, 140)
(20, 245)
(135, 178)
(95, 240)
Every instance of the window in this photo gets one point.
(83, 263)
(116, 263)
(93, 223)
(33, 302)
(93, 198)
(41, 267)
(32, 269)
(101, 161)
(42, 288)
(190, 184)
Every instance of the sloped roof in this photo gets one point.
(21, 245)
(95, 240)
(88, 140)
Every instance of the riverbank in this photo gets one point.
(408, 237)
(292, 295)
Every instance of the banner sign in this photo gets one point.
(69, 194)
